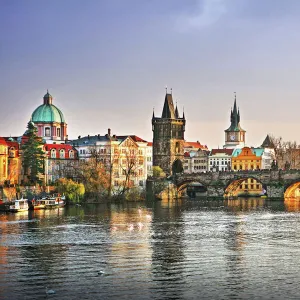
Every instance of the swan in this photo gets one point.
(49, 292)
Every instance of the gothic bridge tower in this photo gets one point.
(168, 137)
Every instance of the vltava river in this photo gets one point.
(235, 249)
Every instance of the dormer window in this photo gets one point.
(62, 153)
(53, 153)
(71, 154)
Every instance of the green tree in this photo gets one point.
(73, 191)
(33, 154)
(158, 171)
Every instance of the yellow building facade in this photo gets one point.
(3, 161)
(248, 159)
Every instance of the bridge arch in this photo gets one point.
(292, 190)
(232, 189)
(183, 184)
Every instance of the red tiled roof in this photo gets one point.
(186, 154)
(194, 145)
(225, 151)
(2, 141)
(58, 146)
(150, 144)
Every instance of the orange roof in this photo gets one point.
(150, 144)
(2, 141)
(196, 145)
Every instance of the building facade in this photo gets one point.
(120, 155)
(195, 157)
(61, 161)
(168, 137)
(220, 160)
(248, 159)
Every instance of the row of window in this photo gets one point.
(48, 131)
(62, 153)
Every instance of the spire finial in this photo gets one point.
(171, 91)
(166, 90)
(234, 95)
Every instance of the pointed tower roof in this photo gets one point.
(168, 110)
(176, 112)
(267, 143)
(235, 118)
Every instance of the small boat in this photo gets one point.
(54, 202)
(19, 205)
(39, 204)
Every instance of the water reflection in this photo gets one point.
(231, 249)
(168, 250)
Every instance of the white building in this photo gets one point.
(220, 160)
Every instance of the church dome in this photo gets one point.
(47, 112)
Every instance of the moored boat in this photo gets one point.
(54, 202)
(19, 205)
(39, 204)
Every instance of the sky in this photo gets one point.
(107, 64)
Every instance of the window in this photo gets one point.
(58, 132)
(62, 153)
(47, 131)
(141, 162)
(71, 154)
(141, 183)
(53, 153)
(116, 183)
(140, 172)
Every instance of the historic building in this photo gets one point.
(50, 122)
(149, 158)
(234, 135)
(195, 157)
(119, 155)
(268, 155)
(219, 160)
(3, 160)
(61, 161)
(10, 165)
(248, 159)
(168, 137)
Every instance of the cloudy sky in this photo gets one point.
(107, 62)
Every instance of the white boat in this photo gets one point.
(19, 205)
(54, 202)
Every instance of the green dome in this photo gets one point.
(47, 113)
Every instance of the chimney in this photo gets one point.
(108, 131)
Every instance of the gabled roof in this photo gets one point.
(133, 137)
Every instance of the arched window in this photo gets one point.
(62, 153)
(58, 132)
(47, 131)
(53, 153)
(71, 154)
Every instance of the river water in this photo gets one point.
(234, 249)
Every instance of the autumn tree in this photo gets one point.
(287, 153)
(33, 154)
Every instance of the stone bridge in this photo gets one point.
(278, 184)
